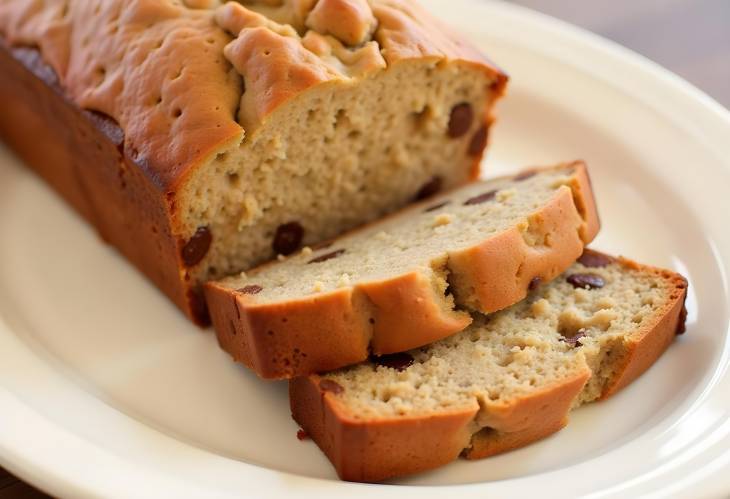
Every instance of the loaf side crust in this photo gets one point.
(374, 451)
(492, 430)
(82, 159)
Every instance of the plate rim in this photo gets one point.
(46, 473)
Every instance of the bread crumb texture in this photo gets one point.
(419, 240)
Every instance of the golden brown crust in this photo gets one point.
(493, 428)
(585, 202)
(364, 451)
(515, 425)
(81, 158)
(488, 442)
(546, 406)
(139, 45)
(406, 304)
(407, 31)
(279, 340)
(374, 450)
(405, 311)
(651, 340)
(350, 21)
(327, 331)
(498, 272)
(121, 58)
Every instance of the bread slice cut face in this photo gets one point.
(409, 279)
(507, 380)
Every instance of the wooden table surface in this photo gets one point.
(689, 37)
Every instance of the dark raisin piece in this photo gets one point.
(288, 238)
(197, 247)
(594, 259)
(525, 175)
(573, 340)
(251, 289)
(429, 188)
(436, 206)
(586, 281)
(481, 198)
(478, 141)
(328, 385)
(460, 119)
(302, 435)
(534, 283)
(398, 361)
(327, 256)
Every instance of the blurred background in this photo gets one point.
(689, 37)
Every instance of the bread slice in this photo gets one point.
(203, 137)
(509, 379)
(406, 281)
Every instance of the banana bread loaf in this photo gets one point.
(407, 280)
(509, 379)
(202, 138)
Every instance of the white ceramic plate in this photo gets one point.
(105, 389)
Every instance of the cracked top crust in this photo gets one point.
(187, 79)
